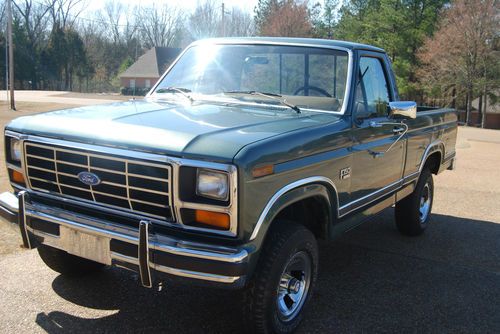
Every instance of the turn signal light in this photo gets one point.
(17, 177)
(262, 171)
(215, 219)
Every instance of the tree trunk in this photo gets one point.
(467, 108)
(34, 80)
(483, 118)
(454, 98)
(480, 110)
(66, 77)
(469, 105)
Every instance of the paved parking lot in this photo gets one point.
(371, 280)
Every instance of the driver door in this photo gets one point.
(378, 150)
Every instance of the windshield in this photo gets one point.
(306, 77)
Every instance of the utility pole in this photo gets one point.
(6, 67)
(222, 21)
(11, 55)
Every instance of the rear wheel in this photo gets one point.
(283, 281)
(413, 212)
(65, 263)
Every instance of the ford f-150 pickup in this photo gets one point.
(242, 155)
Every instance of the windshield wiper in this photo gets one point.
(183, 91)
(272, 96)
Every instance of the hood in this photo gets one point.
(214, 131)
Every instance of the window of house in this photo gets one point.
(147, 83)
(132, 83)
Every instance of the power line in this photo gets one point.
(101, 21)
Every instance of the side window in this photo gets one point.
(372, 93)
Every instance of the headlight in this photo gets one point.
(212, 184)
(15, 150)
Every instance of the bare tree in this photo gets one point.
(34, 18)
(160, 26)
(239, 23)
(205, 21)
(65, 12)
(119, 21)
(288, 18)
(2, 14)
(461, 53)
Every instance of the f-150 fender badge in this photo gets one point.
(89, 178)
(345, 173)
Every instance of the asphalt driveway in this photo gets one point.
(371, 280)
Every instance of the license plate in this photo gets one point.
(85, 245)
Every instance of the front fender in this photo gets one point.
(292, 193)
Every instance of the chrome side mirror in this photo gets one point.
(404, 109)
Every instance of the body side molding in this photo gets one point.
(347, 208)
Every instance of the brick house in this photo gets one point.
(492, 117)
(148, 68)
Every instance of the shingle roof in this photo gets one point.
(152, 64)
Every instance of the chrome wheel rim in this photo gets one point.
(294, 286)
(425, 203)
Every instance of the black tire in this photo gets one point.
(410, 219)
(287, 247)
(67, 264)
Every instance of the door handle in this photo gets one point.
(398, 130)
(374, 124)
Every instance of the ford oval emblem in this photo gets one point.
(89, 178)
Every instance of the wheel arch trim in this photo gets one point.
(292, 186)
(435, 146)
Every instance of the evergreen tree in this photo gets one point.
(400, 27)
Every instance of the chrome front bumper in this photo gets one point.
(139, 249)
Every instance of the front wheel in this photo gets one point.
(283, 281)
(413, 212)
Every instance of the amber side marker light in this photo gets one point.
(17, 177)
(215, 219)
(263, 171)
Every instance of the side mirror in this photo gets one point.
(404, 109)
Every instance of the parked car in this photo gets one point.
(243, 155)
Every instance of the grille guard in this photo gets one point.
(232, 260)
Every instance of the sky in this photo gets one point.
(247, 5)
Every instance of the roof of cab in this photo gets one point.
(294, 41)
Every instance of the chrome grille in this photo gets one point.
(135, 185)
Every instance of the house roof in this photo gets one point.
(152, 64)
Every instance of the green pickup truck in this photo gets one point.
(243, 154)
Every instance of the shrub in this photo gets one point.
(130, 91)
